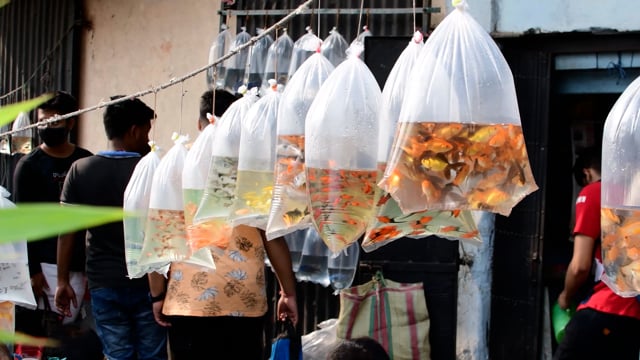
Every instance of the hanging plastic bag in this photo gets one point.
(621, 194)
(165, 237)
(290, 203)
(334, 47)
(237, 64)
(342, 267)
(295, 243)
(390, 223)
(14, 269)
(341, 144)
(217, 199)
(258, 60)
(459, 143)
(307, 45)
(315, 260)
(279, 58)
(219, 48)
(254, 187)
(360, 38)
(136, 200)
(21, 141)
(194, 179)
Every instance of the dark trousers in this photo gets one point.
(221, 337)
(595, 335)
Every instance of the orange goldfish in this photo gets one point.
(430, 191)
(448, 131)
(485, 134)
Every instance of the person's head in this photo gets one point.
(223, 100)
(362, 348)
(128, 123)
(57, 133)
(587, 166)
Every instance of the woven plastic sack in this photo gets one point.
(237, 64)
(290, 202)
(215, 205)
(254, 187)
(307, 45)
(334, 47)
(219, 48)
(165, 237)
(341, 144)
(258, 60)
(621, 194)
(136, 200)
(390, 223)
(459, 143)
(279, 58)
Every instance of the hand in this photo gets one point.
(158, 315)
(65, 296)
(563, 302)
(288, 308)
(39, 284)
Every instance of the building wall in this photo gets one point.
(134, 45)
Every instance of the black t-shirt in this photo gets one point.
(101, 181)
(39, 177)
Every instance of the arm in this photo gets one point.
(578, 270)
(278, 253)
(65, 295)
(157, 290)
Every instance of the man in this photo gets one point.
(230, 302)
(121, 306)
(39, 177)
(606, 326)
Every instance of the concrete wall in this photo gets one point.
(133, 45)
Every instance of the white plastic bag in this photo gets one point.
(14, 269)
(136, 200)
(258, 60)
(459, 143)
(254, 187)
(21, 141)
(334, 47)
(390, 223)
(307, 45)
(279, 58)
(317, 344)
(165, 238)
(341, 144)
(621, 194)
(219, 48)
(215, 206)
(237, 64)
(290, 203)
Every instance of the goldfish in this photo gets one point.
(455, 213)
(430, 191)
(493, 180)
(448, 131)
(488, 198)
(470, 234)
(434, 163)
(485, 133)
(630, 230)
(383, 200)
(434, 145)
(449, 228)
(608, 215)
(384, 219)
(293, 216)
(425, 219)
(499, 138)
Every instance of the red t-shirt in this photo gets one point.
(588, 223)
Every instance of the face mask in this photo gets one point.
(53, 136)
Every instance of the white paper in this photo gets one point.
(77, 281)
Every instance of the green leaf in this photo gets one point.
(7, 337)
(35, 221)
(4, 2)
(10, 112)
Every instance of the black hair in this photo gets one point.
(588, 158)
(223, 100)
(119, 118)
(62, 103)
(362, 348)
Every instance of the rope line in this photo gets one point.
(172, 81)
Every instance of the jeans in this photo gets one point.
(126, 326)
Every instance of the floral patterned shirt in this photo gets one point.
(235, 288)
